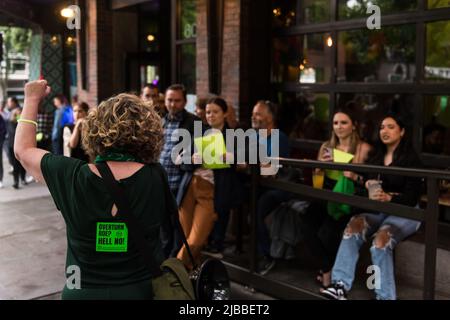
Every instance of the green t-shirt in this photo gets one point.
(85, 204)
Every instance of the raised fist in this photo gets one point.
(37, 90)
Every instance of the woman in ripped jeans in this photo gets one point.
(393, 149)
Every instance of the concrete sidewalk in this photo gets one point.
(32, 242)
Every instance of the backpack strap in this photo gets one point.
(120, 198)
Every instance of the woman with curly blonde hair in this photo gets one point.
(126, 134)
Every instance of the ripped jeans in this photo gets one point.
(388, 231)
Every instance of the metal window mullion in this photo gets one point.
(431, 233)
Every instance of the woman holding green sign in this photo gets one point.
(322, 225)
(214, 188)
(125, 133)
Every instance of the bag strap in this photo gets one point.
(137, 233)
(174, 212)
(118, 194)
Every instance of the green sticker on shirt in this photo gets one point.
(111, 237)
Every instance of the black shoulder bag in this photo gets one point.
(170, 281)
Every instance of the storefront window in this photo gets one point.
(302, 59)
(437, 66)
(371, 108)
(284, 13)
(316, 11)
(187, 68)
(351, 9)
(188, 23)
(435, 4)
(436, 125)
(386, 55)
(185, 44)
(304, 115)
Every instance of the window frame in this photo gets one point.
(178, 42)
(420, 17)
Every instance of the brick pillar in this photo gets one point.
(202, 50)
(99, 50)
(230, 54)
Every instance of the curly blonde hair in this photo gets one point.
(126, 124)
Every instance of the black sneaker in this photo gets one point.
(336, 291)
(265, 265)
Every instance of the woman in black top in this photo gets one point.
(80, 112)
(393, 150)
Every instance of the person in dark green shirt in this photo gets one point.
(126, 134)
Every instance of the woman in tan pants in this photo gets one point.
(197, 214)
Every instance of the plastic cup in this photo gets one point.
(318, 179)
(374, 187)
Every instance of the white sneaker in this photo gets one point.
(29, 179)
(1, 185)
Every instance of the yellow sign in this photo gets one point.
(212, 148)
(341, 156)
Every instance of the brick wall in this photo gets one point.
(202, 50)
(231, 58)
(230, 52)
(109, 35)
(105, 55)
(99, 53)
(90, 94)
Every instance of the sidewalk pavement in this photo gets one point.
(32, 242)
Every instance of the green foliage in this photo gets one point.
(438, 44)
(359, 7)
(16, 40)
(318, 11)
(434, 4)
(370, 46)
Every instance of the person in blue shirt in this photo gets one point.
(63, 117)
(264, 117)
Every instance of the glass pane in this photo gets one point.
(304, 115)
(316, 11)
(437, 65)
(434, 4)
(304, 59)
(284, 13)
(436, 125)
(371, 108)
(351, 9)
(186, 67)
(149, 35)
(188, 21)
(386, 55)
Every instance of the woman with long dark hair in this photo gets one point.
(321, 230)
(393, 149)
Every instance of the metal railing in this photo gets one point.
(430, 215)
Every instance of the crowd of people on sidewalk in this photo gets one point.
(57, 131)
(137, 135)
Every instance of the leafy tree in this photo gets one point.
(434, 4)
(351, 9)
(15, 41)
